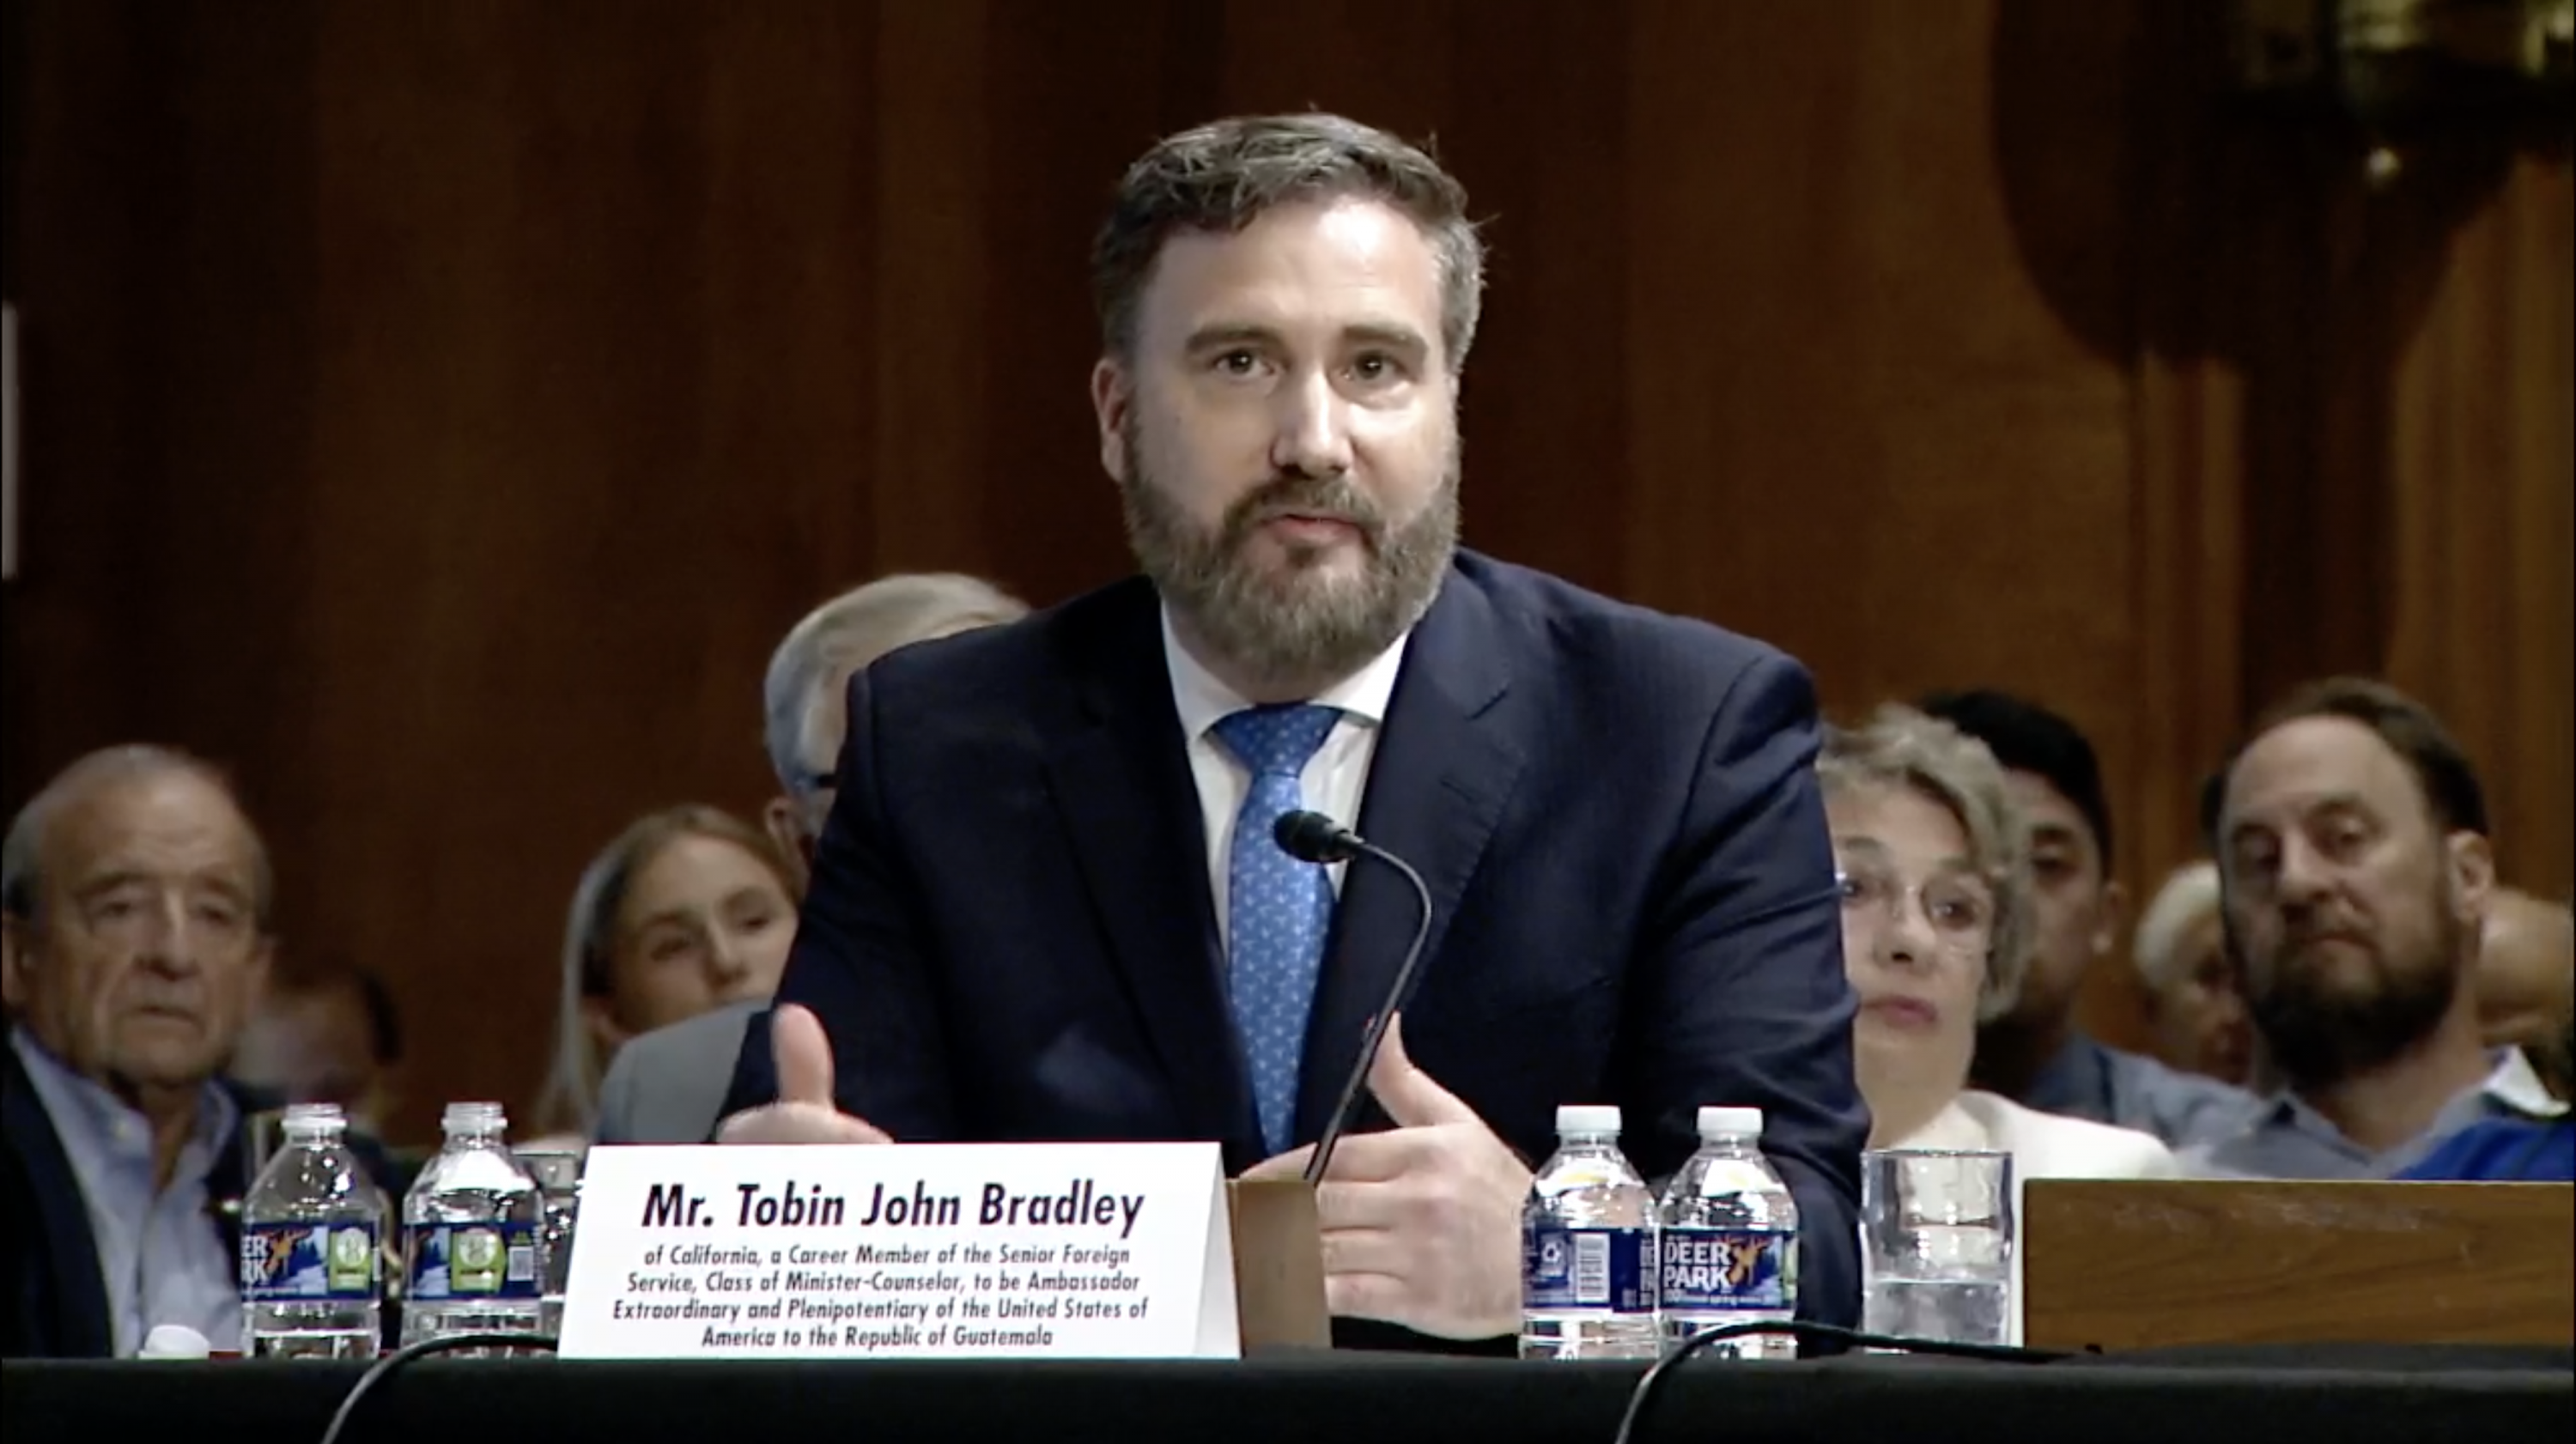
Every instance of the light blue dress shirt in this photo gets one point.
(161, 1257)
(2088, 1079)
(2288, 1139)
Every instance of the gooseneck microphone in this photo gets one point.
(1313, 837)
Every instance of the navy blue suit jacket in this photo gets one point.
(1010, 934)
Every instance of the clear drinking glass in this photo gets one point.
(558, 1176)
(1936, 1232)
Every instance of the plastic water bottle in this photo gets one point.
(470, 1235)
(1588, 1248)
(1729, 1245)
(310, 1226)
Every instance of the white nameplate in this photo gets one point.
(1090, 1250)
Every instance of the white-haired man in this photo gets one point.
(667, 1085)
(801, 696)
(2195, 1010)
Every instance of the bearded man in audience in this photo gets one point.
(2350, 833)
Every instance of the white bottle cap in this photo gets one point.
(1717, 1122)
(1574, 1118)
(174, 1341)
(473, 1117)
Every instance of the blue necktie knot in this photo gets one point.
(1278, 740)
(1279, 911)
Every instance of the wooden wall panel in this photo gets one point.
(2484, 526)
(437, 412)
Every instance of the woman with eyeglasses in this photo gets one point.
(1934, 865)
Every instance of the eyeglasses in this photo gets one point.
(1961, 908)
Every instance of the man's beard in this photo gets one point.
(1286, 626)
(2320, 1032)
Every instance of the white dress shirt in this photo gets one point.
(1335, 779)
(2516, 1085)
(2044, 1145)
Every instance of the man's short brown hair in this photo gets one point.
(1220, 177)
(2443, 771)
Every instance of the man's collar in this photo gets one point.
(2513, 1085)
(106, 1120)
(1202, 698)
(2516, 1085)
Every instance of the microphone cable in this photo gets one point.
(385, 1367)
(1803, 1330)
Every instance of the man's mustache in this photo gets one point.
(1291, 495)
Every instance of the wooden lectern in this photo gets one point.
(2128, 1265)
(1278, 1265)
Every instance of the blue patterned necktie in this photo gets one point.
(1278, 910)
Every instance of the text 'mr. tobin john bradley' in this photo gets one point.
(1082, 1204)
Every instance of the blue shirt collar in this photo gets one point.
(96, 1124)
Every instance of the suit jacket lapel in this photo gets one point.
(1120, 775)
(79, 1322)
(1443, 768)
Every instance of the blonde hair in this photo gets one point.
(2189, 895)
(1899, 747)
(570, 1102)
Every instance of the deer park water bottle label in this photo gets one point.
(472, 1261)
(1589, 1268)
(1723, 1270)
(291, 1262)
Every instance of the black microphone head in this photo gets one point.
(1313, 837)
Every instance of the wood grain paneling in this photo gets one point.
(2484, 523)
(2143, 1265)
(437, 412)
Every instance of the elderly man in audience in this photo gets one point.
(136, 898)
(2195, 1011)
(667, 1086)
(1936, 910)
(2355, 873)
(2526, 979)
(810, 672)
(2036, 1053)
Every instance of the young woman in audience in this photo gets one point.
(1936, 916)
(687, 910)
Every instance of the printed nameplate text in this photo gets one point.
(1067, 1250)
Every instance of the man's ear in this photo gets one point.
(262, 973)
(2472, 876)
(783, 820)
(2111, 920)
(14, 945)
(1113, 400)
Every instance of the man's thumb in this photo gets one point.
(802, 1054)
(1407, 1093)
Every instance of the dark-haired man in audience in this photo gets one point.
(2037, 1054)
(331, 1038)
(2350, 832)
(136, 896)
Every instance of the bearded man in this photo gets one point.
(2350, 836)
(1047, 904)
